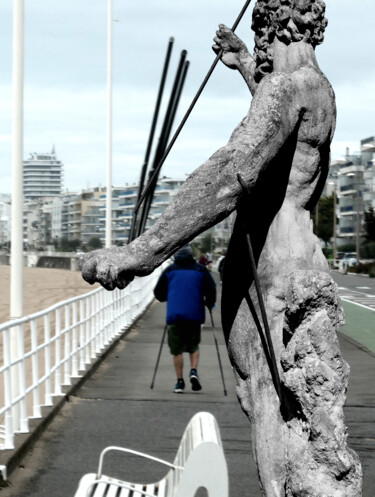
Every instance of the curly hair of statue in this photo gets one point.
(289, 21)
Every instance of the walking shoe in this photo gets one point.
(194, 380)
(180, 385)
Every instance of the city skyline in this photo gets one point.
(65, 82)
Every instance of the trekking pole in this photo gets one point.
(218, 354)
(158, 359)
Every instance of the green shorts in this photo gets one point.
(184, 337)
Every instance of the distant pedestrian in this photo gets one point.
(187, 287)
(203, 259)
(209, 261)
(221, 267)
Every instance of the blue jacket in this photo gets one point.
(187, 287)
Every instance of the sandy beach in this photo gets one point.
(42, 288)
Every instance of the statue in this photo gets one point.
(281, 150)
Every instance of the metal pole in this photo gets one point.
(151, 137)
(163, 141)
(16, 269)
(218, 353)
(188, 112)
(108, 211)
(357, 221)
(159, 354)
(334, 227)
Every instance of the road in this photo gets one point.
(356, 288)
(358, 298)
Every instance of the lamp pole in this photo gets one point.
(17, 164)
(357, 223)
(16, 265)
(357, 218)
(334, 220)
(108, 210)
(334, 227)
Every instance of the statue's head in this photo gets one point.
(289, 21)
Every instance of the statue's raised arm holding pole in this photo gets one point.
(281, 150)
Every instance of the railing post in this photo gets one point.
(47, 359)
(57, 390)
(24, 425)
(35, 370)
(100, 334)
(75, 355)
(88, 333)
(82, 327)
(9, 428)
(67, 347)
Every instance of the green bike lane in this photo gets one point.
(359, 324)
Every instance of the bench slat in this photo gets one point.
(150, 488)
(136, 493)
(112, 491)
(100, 489)
(124, 492)
(162, 487)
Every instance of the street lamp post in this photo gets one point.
(18, 416)
(334, 226)
(108, 211)
(357, 220)
(334, 221)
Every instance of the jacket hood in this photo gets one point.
(184, 255)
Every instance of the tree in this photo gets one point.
(206, 243)
(66, 245)
(94, 243)
(369, 224)
(323, 223)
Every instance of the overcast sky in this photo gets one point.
(65, 81)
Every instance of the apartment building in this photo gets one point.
(5, 218)
(353, 180)
(42, 176)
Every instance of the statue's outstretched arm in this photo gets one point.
(210, 193)
(235, 55)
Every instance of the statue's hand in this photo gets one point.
(233, 48)
(112, 268)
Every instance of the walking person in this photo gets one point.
(187, 287)
(203, 259)
(221, 267)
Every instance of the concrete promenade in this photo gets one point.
(117, 407)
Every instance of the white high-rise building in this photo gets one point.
(42, 176)
(5, 212)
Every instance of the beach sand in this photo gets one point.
(42, 288)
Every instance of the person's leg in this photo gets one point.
(194, 359)
(178, 362)
(177, 348)
(194, 340)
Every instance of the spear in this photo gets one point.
(167, 126)
(152, 132)
(188, 112)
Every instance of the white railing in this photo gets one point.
(42, 352)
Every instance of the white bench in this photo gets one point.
(199, 462)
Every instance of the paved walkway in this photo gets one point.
(117, 407)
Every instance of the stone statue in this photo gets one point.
(281, 150)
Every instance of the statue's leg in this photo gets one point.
(315, 380)
(257, 395)
(299, 443)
